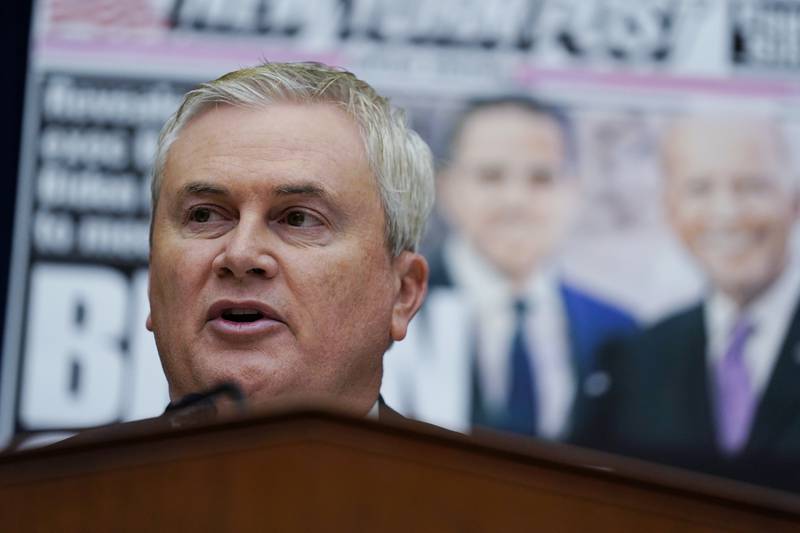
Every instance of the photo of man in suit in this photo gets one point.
(715, 387)
(524, 339)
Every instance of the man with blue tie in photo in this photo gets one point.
(525, 339)
(715, 387)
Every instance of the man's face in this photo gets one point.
(730, 199)
(505, 188)
(269, 265)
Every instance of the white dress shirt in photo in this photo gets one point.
(770, 313)
(491, 299)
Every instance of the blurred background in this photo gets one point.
(582, 209)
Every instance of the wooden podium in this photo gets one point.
(318, 471)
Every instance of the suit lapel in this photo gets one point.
(780, 405)
(575, 341)
(578, 352)
(674, 374)
(579, 342)
(386, 413)
(694, 394)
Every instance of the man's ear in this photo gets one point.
(411, 275)
(149, 322)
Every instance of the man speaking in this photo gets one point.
(288, 201)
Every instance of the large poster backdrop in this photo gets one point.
(105, 75)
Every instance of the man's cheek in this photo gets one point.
(352, 290)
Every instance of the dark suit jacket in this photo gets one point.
(658, 405)
(387, 414)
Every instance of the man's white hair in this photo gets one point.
(400, 160)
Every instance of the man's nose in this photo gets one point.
(724, 206)
(515, 188)
(248, 251)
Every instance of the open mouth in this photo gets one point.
(242, 315)
(243, 319)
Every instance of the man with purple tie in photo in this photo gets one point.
(716, 387)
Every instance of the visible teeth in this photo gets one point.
(243, 312)
(729, 243)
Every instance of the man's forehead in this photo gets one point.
(279, 145)
(506, 130)
(702, 134)
(251, 130)
(725, 143)
(510, 119)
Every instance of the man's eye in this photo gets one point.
(200, 214)
(300, 219)
(753, 185)
(698, 187)
(490, 175)
(542, 177)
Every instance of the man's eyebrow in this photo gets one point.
(304, 189)
(202, 188)
(291, 189)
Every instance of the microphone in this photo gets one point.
(201, 406)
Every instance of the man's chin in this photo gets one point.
(743, 289)
(516, 269)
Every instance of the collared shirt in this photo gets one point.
(770, 315)
(374, 410)
(491, 300)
